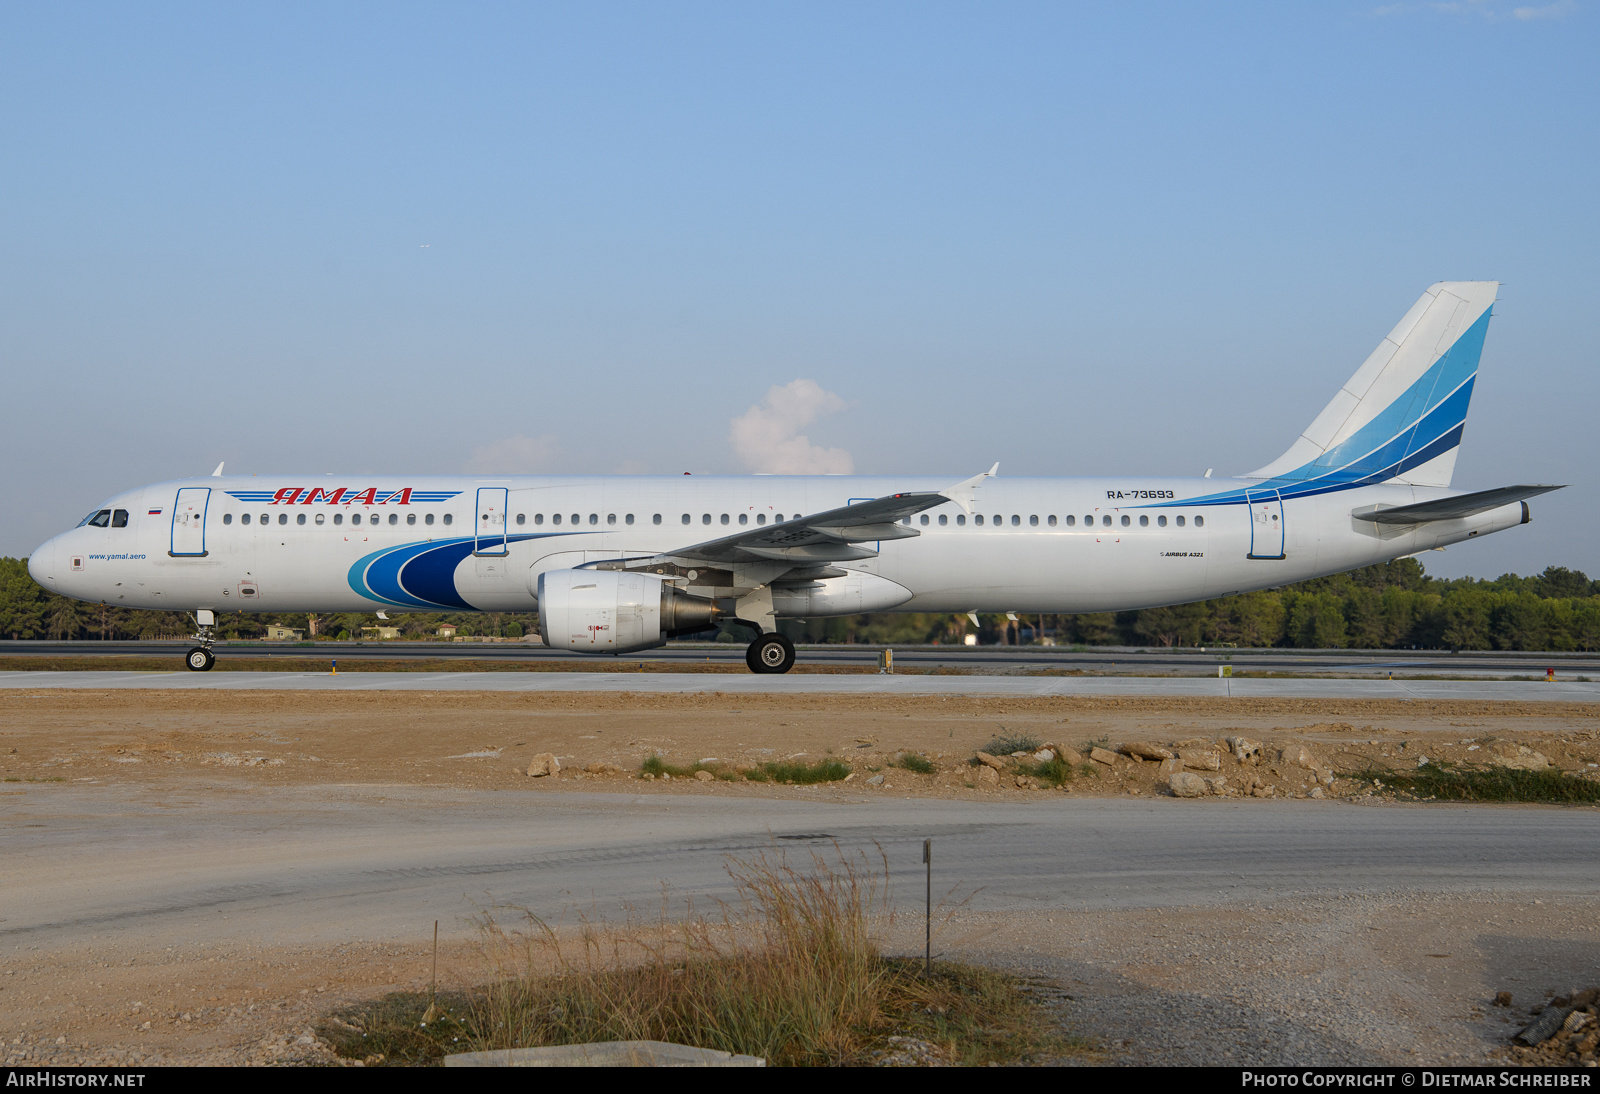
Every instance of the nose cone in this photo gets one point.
(44, 565)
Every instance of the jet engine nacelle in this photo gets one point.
(611, 611)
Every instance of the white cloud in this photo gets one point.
(517, 455)
(1557, 10)
(767, 437)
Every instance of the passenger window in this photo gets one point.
(997, 520)
(449, 518)
(978, 520)
(575, 518)
(1180, 522)
(761, 518)
(611, 518)
(428, 519)
(1016, 521)
(411, 518)
(1144, 521)
(594, 518)
(656, 519)
(355, 518)
(1106, 520)
(555, 518)
(320, 517)
(628, 519)
(1088, 520)
(522, 518)
(686, 518)
(538, 518)
(1071, 520)
(338, 518)
(744, 518)
(1161, 522)
(778, 519)
(1053, 520)
(1200, 522)
(283, 518)
(1126, 520)
(227, 518)
(244, 518)
(961, 519)
(119, 518)
(394, 518)
(724, 518)
(299, 518)
(1033, 521)
(944, 518)
(265, 518)
(705, 518)
(924, 520)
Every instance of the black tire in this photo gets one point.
(771, 653)
(199, 659)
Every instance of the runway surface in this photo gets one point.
(337, 862)
(980, 659)
(1570, 691)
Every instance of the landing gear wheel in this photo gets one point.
(770, 653)
(199, 659)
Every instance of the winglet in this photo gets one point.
(965, 493)
(217, 474)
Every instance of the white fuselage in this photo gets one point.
(1029, 544)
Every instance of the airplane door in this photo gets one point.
(490, 522)
(189, 522)
(1266, 525)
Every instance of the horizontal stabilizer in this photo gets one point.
(1462, 505)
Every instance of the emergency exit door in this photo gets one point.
(189, 522)
(490, 520)
(1266, 525)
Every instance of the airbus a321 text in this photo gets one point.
(619, 563)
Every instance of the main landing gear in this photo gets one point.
(200, 658)
(770, 653)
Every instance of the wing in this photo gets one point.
(1462, 505)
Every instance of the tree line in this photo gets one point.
(1393, 605)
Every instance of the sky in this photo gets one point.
(888, 238)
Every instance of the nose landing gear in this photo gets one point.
(200, 658)
(771, 653)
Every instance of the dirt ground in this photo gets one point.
(485, 740)
(255, 1004)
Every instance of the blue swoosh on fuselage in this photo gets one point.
(420, 575)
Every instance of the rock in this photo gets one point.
(1102, 756)
(990, 761)
(704, 776)
(1517, 757)
(1502, 998)
(877, 780)
(1299, 756)
(1200, 759)
(545, 763)
(1068, 756)
(1217, 784)
(600, 767)
(1316, 792)
(1262, 792)
(1144, 750)
(1245, 750)
(1044, 755)
(988, 776)
(1024, 782)
(1184, 785)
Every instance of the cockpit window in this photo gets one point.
(97, 519)
(119, 518)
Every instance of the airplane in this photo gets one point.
(615, 564)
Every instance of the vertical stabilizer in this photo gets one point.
(1400, 417)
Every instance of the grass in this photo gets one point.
(1004, 744)
(790, 971)
(1450, 782)
(784, 771)
(918, 763)
(1054, 771)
